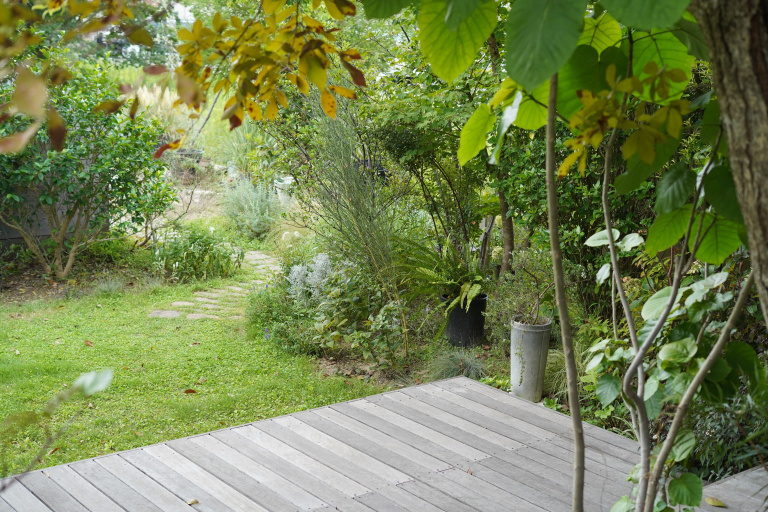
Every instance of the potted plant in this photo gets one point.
(455, 274)
(526, 294)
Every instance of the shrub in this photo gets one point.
(193, 253)
(252, 209)
(307, 282)
(103, 176)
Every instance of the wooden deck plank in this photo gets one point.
(87, 494)
(173, 481)
(396, 419)
(4, 506)
(113, 487)
(384, 471)
(161, 497)
(21, 499)
(296, 465)
(203, 479)
(446, 482)
(552, 421)
(346, 466)
(413, 439)
(746, 491)
(436, 497)
(379, 503)
(289, 493)
(50, 493)
(381, 447)
(521, 428)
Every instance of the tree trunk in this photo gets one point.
(507, 230)
(736, 32)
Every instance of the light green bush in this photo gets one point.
(193, 253)
(252, 209)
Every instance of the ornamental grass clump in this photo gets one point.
(252, 209)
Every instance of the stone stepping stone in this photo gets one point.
(180, 303)
(211, 306)
(236, 317)
(235, 288)
(208, 294)
(160, 313)
(206, 299)
(198, 316)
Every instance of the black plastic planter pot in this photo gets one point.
(466, 328)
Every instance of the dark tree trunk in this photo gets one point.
(736, 32)
(507, 230)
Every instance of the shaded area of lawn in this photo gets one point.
(157, 363)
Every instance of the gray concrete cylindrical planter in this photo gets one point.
(528, 359)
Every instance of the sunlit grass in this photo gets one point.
(155, 360)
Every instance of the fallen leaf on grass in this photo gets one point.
(54, 450)
(18, 353)
(190, 391)
(90, 344)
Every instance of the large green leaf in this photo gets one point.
(475, 133)
(639, 171)
(655, 306)
(654, 403)
(532, 113)
(686, 489)
(458, 11)
(601, 238)
(685, 442)
(721, 238)
(678, 352)
(541, 36)
(451, 51)
(711, 125)
(667, 230)
(666, 51)
(720, 192)
(582, 71)
(646, 14)
(384, 8)
(608, 388)
(674, 188)
(689, 33)
(601, 32)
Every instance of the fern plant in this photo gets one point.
(452, 271)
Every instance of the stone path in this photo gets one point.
(227, 302)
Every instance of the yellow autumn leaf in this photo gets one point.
(271, 111)
(343, 91)
(328, 102)
(271, 6)
(629, 147)
(140, 36)
(30, 94)
(507, 88)
(18, 141)
(567, 164)
(714, 502)
(254, 110)
(674, 123)
(316, 73)
(281, 98)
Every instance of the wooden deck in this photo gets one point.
(454, 445)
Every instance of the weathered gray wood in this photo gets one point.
(381, 447)
(381, 438)
(19, 497)
(315, 476)
(161, 497)
(422, 407)
(546, 500)
(747, 491)
(407, 436)
(50, 493)
(458, 447)
(289, 493)
(438, 498)
(385, 472)
(379, 503)
(539, 414)
(345, 466)
(5, 507)
(91, 497)
(203, 479)
(486, 407)
(173, 481)
(112, 486)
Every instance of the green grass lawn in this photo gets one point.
(236, 379)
